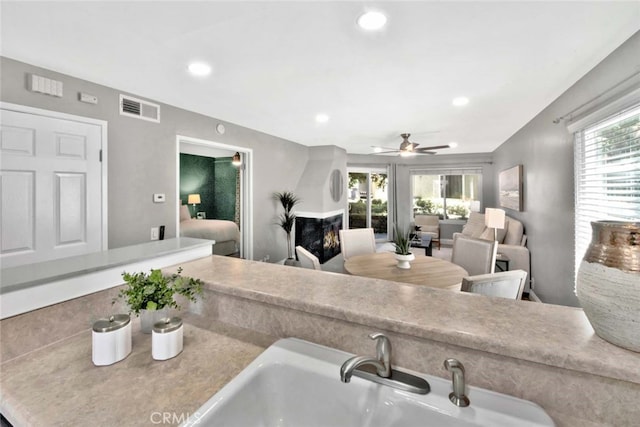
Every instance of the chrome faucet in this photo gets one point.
(457, 373)
(384, 374)
(382, 362)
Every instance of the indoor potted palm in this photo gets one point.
(152, 295)
(402, 243)
(287, 219)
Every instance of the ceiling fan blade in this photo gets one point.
(384, 148)
(387, 152)
(425, 152)
(434, 147)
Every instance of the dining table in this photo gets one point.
(424, 271)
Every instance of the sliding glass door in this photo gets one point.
(368, 200)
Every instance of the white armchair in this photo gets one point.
(507, 284)
(430, 225)
(511, 239)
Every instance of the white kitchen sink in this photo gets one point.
(297, 383)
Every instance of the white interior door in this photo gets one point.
(50, 188)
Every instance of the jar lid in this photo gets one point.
(113, 323)
(168, 324)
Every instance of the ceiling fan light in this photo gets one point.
(407, 154)
(453, 144)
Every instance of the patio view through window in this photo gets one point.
(450, 196)
(368, 201)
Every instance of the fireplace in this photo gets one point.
(319, 233)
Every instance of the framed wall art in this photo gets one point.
(510, 182)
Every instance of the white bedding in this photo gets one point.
(223, 232)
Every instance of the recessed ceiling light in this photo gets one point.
(199, 69)
(322, 118)
(460, 101)
(453, 144)
(372, 20)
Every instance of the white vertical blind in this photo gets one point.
(607, 174)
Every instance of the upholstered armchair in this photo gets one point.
(511, 239)
(430, 225)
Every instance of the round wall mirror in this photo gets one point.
(336, 185)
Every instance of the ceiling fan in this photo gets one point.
(408, 148)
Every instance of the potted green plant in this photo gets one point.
(287, 219)
(152, 295)
(402, 243)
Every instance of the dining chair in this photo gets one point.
(477, 256)
(307, 259)
(506, 284)
(357, 241)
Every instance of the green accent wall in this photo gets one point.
(214, 179)
(225, 189)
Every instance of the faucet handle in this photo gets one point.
(383, 351)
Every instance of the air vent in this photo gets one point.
(140, 109)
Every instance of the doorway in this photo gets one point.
(368, 199)
(205, 148)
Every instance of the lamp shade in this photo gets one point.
(494, 218)
(193, 199)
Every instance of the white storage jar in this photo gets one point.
(111, 339)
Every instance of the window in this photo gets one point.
(607, 174)
(451, 194)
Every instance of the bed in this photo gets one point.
(225, 233)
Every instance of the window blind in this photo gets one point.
(607, 174)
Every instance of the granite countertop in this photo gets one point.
(59, 385)
(552, 335)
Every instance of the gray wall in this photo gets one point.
(545, 150)
(142, 158)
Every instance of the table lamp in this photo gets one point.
(193, 199)
(494, 218)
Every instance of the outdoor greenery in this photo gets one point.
(458, 210)
(379, 180)
(358, 214)
(428, 207)
(155, 291)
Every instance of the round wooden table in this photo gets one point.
(425, 270)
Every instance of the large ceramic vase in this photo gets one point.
(404, 261)
(608, 283)
(149, 317)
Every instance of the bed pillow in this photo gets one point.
(184, 213)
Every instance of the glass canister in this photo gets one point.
(608, 282)
(111, 339)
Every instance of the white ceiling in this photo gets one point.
(277, 64)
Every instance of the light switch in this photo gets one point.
(158, 198)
